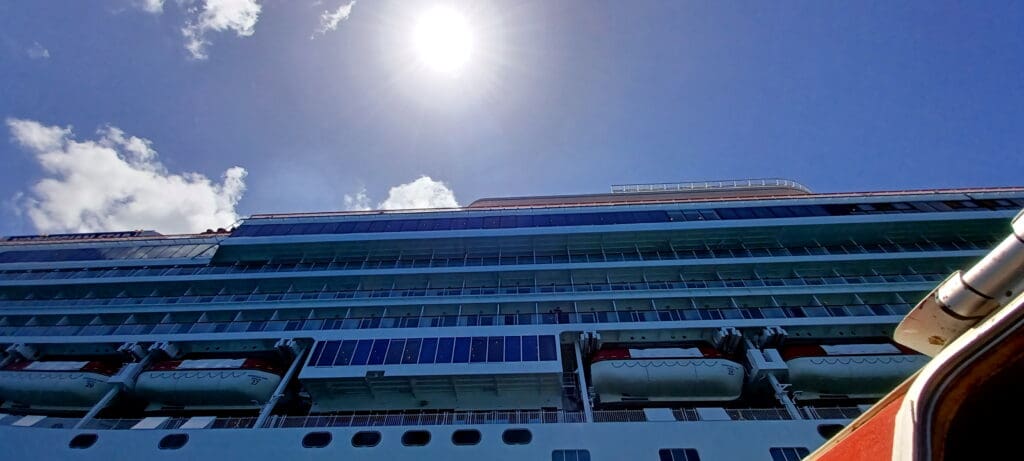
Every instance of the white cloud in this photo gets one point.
(357, 202)
(421, 193)
(117, 182)
(151, 6)
(329, 21)
(36, 51)
(218, 16)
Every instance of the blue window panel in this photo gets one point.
(478, 350)
(395, 351)
(492, 222)
(474, 223)
(548, 348)
(445, 348)
(461, 350)
(678, 454)
(428, 350)
(570, 455)
(379, 351)
(319, 349)
(361, 226)
(529, 348)
(345, 353)
(377, 226)
(345, 227)
(362, 353)
(496, 349)
(513, 349)
(330, 228)
(327, 357)
(412, 351)
(788, 453)
(442, 224)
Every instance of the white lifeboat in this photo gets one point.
(236, 383)
(848, 370)
(56, 384)
(687, 374)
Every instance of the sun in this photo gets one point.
(443, 40)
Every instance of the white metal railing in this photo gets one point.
(731, 184)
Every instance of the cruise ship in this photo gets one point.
(724, 320)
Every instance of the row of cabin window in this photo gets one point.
(619, 217)
(479, 349)
(104, 253)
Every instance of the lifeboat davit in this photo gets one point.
(685, 374)
(64, 385)
(209, 383)
(848, 370)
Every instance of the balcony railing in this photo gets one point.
(695, 186)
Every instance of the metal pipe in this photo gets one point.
(966, 297)
(783, 396)
(121, 384)
(279, 392)
(588, 414)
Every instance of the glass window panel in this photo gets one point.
(412, 351)
(428, 350)
(319, 349)
(445, 350)
(362, 353)
(348, 347)
(478, 350)
(395, 351)
(547, 348)
(529, 348)
(496, 349)
(461, 354)
(513, 349)
(379, 351)
(327, 357)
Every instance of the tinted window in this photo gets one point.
(466, 437)
(428, 350)
(461, 350)
(394, 355)
(316, 439)
(173, 441)
(415, 438)
(82, 441)
(478, 351)
(345, 353)
(547, 348)
(513, 348)
(529, 348)
(444, 350)
(516, 436)
(366, 439)
(330, 351)
(378, 352)
(362, 353)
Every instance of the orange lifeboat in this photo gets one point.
(65, 384)
(672, 374)
(237, 383)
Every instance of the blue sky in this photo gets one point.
(557, 97)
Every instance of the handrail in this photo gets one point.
(692, 186)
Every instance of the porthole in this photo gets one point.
(173, 441)
(466, 437)
(416, 438)
(517, 436)
(82, 441)
(316, 439)
(366, 439)
(829, 430)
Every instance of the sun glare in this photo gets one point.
(443, 40)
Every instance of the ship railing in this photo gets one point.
(429, 419)
(359, 419)
(694, 186)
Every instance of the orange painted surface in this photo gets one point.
(870, 442)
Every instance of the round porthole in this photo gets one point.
(415, 438)
(517, 436)
(316, 439)
(466, 437)
(82, 441)
(829, 430)
(365, 439)
(173, 441)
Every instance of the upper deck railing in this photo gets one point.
(698, 186)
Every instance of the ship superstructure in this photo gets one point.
(696, 321)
